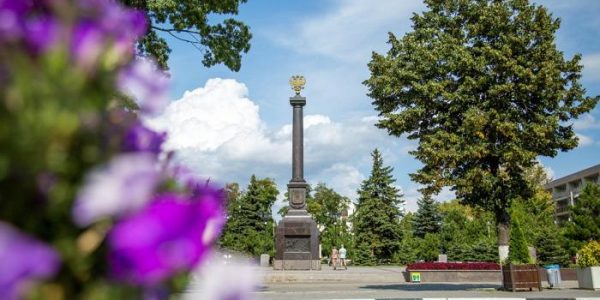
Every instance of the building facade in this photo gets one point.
(565, 190)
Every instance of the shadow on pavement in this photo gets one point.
(431, 287)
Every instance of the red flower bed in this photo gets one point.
(453, 266)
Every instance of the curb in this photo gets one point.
(479, 298)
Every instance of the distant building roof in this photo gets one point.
(577, 175)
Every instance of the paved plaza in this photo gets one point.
(387, 283)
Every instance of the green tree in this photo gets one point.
(188, 21)
(249, 226)
(429, 247)
(518, 245)
(376, 220)
(535, 213)
(233, 193)
(409, 245)
(483, 88)
(536, 218)
(483, 250)
(467, 233)
(585, 217)
(427, 219)
(326, 207)
(549, 247)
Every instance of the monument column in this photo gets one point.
(297, 237)
(297, 185)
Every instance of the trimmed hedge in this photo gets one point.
(453, 266)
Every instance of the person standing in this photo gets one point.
(334, 257)
(343, 257)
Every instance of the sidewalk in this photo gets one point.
(388, 283)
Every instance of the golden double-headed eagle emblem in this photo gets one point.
(297, 82)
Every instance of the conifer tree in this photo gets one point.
(427, 219)
(518, 252)
(549, 247)
(585, 217)
(377, 218)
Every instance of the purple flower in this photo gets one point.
(168, 236)
(87, 44)
(124, 186)
(141, 139)
(41, 33)
(146, 85)
(125, 23)
(114, 19)
(12, 14)
(108, 31)
(23, 260)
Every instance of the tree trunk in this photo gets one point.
(503, 227)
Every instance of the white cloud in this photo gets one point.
(584, 140)
(350, 29)
(586, 122)
(591, 66)
(217, 131)
(343, 178)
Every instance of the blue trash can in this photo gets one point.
(553, 272)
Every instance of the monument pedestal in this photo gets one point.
(297, 243)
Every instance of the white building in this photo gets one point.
(565, 190)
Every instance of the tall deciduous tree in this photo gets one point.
(376, 220)
(188, 21)
(427, 219)
(326, 207)
(483, 88)
(249, 225)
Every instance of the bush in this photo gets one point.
(429, 247)
(453, 266)
(589, 255)
(408, 251)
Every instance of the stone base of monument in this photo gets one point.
(297, 243)
(297, 265)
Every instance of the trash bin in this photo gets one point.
(553, 272)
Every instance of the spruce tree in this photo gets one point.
(585, 217)
(427, 219)
(376, 220)
(549, 247)
(518, 253)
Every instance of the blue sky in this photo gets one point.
(232, 127)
